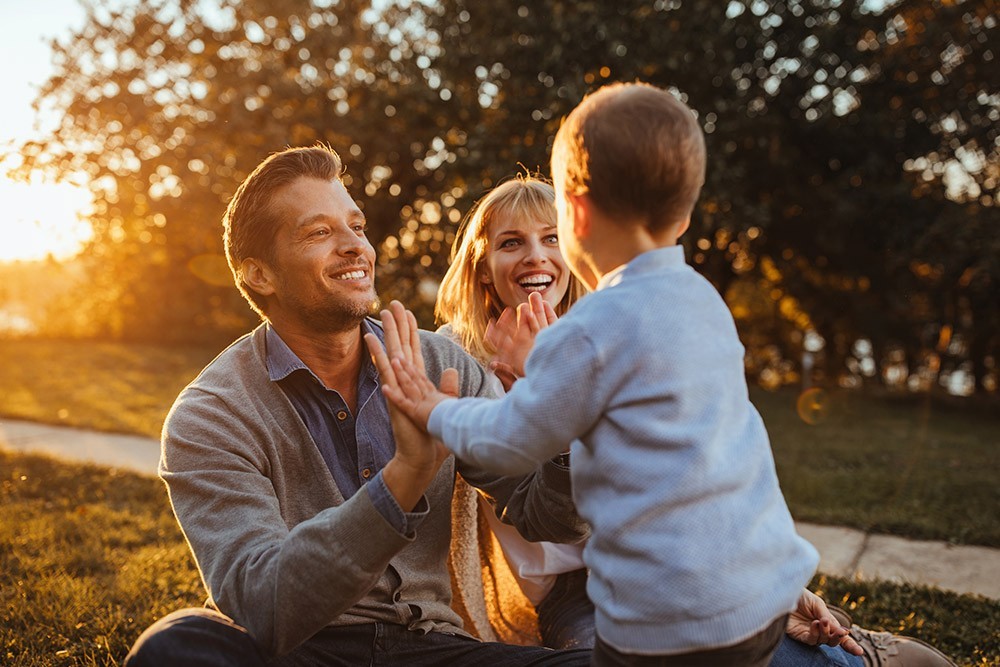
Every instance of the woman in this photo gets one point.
(506, 250)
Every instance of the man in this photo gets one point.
(318, 517)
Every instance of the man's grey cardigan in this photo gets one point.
(280, 550)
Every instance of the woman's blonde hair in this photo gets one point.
(463, 300)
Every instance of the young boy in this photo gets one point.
(693, 556)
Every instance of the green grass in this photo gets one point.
(897, 466)
(965, 627)
(902, 467)
(89, 557)
(116, 387)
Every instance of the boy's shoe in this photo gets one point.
(884, 649)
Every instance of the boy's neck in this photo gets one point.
(612, 244)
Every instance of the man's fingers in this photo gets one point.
(393, 347)
(402, 323)
(416, 352)
(851, 646)
(381, 359)
(449, 382)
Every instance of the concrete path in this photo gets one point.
(844, 552)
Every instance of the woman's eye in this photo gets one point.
(551, 238)
(509, 243)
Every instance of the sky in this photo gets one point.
(36, 218)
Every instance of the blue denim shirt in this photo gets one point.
(355, 446)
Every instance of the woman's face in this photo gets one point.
(522, 256)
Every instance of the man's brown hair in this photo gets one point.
(251, 222)
(636, 151)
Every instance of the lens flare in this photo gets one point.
(813, 406)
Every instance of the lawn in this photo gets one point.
(903, 467)
(89, 557)
(117, 387)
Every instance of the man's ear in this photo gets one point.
(257, 276)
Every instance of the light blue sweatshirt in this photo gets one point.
(692, 544)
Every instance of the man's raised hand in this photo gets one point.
(401, 367)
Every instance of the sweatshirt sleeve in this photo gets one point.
(560, 398)
(538, 504)
(282, 584)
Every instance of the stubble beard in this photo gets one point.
(337, 316)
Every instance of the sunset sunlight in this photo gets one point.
(41, 219)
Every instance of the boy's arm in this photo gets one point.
(559, 401)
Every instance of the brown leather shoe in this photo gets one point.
(884, 649)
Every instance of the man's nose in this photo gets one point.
(349, 243)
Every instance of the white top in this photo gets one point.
(533, 564)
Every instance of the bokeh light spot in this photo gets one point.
(813, 406)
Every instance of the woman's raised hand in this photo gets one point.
(512, 335)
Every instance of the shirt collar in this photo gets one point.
(282, 362)
(649, 261)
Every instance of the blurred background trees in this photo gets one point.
(849, 217)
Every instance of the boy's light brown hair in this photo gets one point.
(251, 222)
(636, 151)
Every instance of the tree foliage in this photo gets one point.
(853, 149)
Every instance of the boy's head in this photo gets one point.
(636, 151)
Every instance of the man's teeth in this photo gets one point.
(351, 275)
(535, 283)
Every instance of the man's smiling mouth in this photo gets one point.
(355, 274)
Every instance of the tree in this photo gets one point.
(852, 144)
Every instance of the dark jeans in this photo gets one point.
(753, 652)
(566, 615)
(201, 637)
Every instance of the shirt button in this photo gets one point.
(366, 473)
(342, 415)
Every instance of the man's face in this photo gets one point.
(324, 268)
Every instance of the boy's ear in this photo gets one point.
(257, 276)
(683, 227)
(582, 209)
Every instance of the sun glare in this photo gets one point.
(39, 219)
